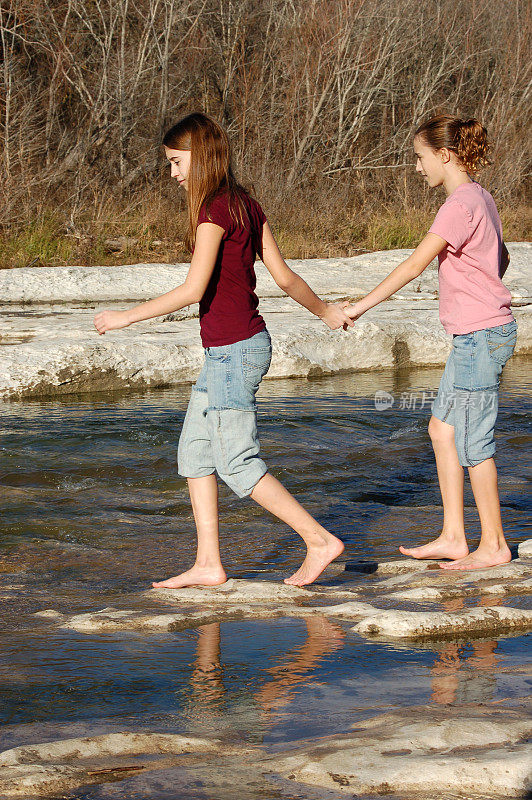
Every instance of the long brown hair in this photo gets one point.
(210, 168)
(468, 139)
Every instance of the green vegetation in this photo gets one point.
(136, 237)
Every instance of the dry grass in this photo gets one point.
(153, 232)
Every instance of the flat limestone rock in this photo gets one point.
(514, 570)
(111, 619)
(45, 354)
(426, 751)
(427, 573)
(49, 768)
(232, 591)
(131, 620)
(354, 275)
(122, 744)
(400, 566)
(347, 610)
(35, 780)
(432, 594)
(48, 344)
(525, 548)
(486, 620)
(512, 587)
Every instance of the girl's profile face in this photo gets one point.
(179, 165)
(429, 162)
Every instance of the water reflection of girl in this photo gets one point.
(208, 691)
(459, 678)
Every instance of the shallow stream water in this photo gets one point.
(93, 511)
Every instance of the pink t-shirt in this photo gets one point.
(472, 295)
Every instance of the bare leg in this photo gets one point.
(322, 546)
(452, 542)
(208, 569)
(207, 677)
(492, 549)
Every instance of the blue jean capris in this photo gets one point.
(468, 395)
(220, 428)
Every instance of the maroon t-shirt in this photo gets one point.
(228, 309)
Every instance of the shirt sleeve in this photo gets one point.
(453, 223)
(261, 215)
(217, 213)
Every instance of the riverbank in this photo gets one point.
(48, 344)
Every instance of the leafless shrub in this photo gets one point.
(320, 98)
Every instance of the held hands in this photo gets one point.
(110, 321)
(353, 311)
(335, 316)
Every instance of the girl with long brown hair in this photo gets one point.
(227, 229)
(466, 235)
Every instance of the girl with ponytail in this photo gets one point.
(466, 235)
(227, 229)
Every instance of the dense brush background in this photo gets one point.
(320, 100)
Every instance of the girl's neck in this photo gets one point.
(454, 180)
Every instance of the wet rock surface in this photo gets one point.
(433, 624)
(419, 583)
(232, 591)
(48, 344)
(427, 751)
(51, 767)
(462, 750)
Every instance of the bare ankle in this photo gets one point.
(493, 544)
(207, 565)
(453, 534)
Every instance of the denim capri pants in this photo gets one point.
(220, 428)
(468, 395)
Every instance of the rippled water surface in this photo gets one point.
(93, 511)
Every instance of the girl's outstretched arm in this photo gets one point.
(208, 238)
(332, 314)
(411, 268)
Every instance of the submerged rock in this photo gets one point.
(426, 751)
(40, 769)
(488, 620)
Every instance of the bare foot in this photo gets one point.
(442, 547)
(197, 576)
(316, 560)
(482, 558)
